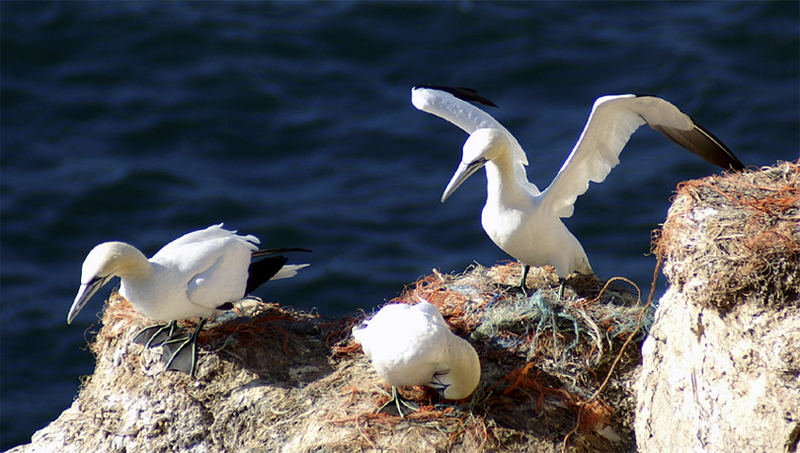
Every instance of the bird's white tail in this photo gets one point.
(288, 271)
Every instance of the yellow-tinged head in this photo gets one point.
(104, 262)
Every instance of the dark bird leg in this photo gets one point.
(181, 353)
(158, 334)
(398, 400)
(522, 283)
(561, 282)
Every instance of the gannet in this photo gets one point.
(199, 274)
(412, 345)
(521, 220)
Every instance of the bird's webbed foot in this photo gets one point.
(158, 334)
(180, 353)
(398, 402)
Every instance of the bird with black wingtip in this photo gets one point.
(199, 274)
(526, 222)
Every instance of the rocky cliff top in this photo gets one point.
(274, 379)
(557, 375)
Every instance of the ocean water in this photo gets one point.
(140, 121)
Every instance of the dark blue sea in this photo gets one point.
(140, 121)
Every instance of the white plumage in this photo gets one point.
(412, 345)
(191, 276)
(525, 222)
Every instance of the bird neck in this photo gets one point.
(130, 262)
(505, 180)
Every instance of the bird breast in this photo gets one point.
(512, 229)
(534, 238)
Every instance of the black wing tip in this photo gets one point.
(463, 93)
(263, 270)
(269, 252)
(702, 142)
(733, 162)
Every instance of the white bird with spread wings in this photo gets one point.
(525, 222)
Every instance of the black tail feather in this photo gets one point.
(263, 270)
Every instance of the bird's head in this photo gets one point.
(104, 262)
(482, 146)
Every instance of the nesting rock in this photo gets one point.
(721, 366)
(272, 379)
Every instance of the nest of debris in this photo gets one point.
(738, 235)
(555, 373)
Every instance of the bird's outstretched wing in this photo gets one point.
(467, 94)
(452, 105)
(611, 123)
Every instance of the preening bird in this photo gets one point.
(525, 222)
(412, 345)
(199, 274)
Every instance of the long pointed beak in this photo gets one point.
(463, 172)
(85, 292)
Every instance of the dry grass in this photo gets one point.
(745, 241)
(556, 374)
(542, 360)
